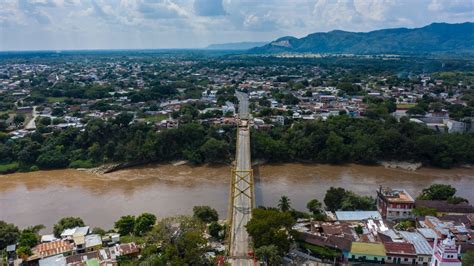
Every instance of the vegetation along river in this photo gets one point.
(46, 196)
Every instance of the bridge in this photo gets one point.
(242, 191)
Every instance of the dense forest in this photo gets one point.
(338, 140)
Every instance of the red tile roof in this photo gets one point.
(400, 248)
(52, 248)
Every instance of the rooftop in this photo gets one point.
(357, 215)
(395, 195)
(400, 248)
(363, 248)
(421, 244)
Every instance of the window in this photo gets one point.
(405, 259)
(420, 259)
(389, 258)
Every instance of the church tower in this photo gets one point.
(445, 253)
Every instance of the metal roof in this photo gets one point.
(421, 244)
(357, 215)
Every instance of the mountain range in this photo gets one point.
(436, 38)
(235, 46)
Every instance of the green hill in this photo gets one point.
(434, 38)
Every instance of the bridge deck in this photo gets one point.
(242, 194)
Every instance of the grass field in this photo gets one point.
(156, 118)
(56, 99)
(405, 105)
(8, 168)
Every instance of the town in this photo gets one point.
(55, 93)
(392, 228)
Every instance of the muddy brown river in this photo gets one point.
(44, 197)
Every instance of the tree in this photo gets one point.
(66, 223)
(334, 197)
(468, 259)
(335, 151)
(457, 200)
(98, 231)
(214, 150)
(437, 192)
(28, 239)
(284, 204)
(271, 227)
(268, 254)
(215, 229)
(9, 234)
(314, 206)
(144, 223)
(18, 119)
(205, 214)
(354, 202)
(125, 225)
(24, 252)
(421, 211)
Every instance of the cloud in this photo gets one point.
(159, 10)
(453, 6)
(80, 24)
(209, 8)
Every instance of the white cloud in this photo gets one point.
(75, 24)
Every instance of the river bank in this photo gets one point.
(167, 189)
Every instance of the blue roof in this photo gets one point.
(357, 215)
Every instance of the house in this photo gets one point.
(49, 249)
(93, 242)
(367, 252)
(423, 248)
(76, 231)
(394, 204)
(400, 253)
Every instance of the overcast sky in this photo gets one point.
(123, 24)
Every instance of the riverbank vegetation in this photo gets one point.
(338, 140)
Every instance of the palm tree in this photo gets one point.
(284, 204)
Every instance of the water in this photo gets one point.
(44, 197)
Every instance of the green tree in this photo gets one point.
(66, 223)
(269, 255)
(314, 206)
(334, 198)
(24, 252)
(335, 151)
(271, 227)
(98, 231)
(284, 204)
(9, 234)
(421, 211)
(215, 229)
(205, 214)
(353, 202)
(457, 200)
(468, 259)
(214, 150)
(144, 223)
(125, 225)
(437, 192)
(28, 239)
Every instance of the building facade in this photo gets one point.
(394, 204)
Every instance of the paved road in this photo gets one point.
(243, 104)
(241, 212)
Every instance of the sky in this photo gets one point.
(148, 24)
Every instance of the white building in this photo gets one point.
(445, 253)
